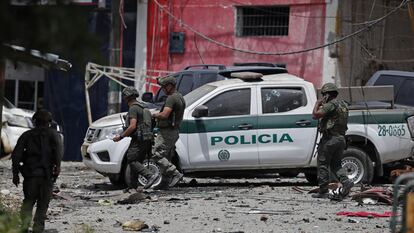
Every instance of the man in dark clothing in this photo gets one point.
(333, 125)
(37, 157)
(168, 121)
(138, 148)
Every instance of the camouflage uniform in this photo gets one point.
(37, 155)
(138, 150)
(332, 145)
(169, 134)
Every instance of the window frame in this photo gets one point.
(299, 88)
(280, 25)
(251, 100)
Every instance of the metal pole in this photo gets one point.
(114, 58)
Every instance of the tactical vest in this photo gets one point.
(173, 121)
(335, 122)
(144, 126)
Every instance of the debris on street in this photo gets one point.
(238, 205)
(134, 225)
(374, 194)
(365, 214)
(397, 172)
(133, 198)
(105, 202)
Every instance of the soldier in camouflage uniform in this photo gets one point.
(37, 157)
(168, 121)
(333, 115)
(138, 148)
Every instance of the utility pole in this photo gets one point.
(115, 59)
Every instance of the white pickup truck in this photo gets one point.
(264, 125)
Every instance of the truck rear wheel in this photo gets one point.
(358, 165)
(149, 164)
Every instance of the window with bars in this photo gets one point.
(262, 21)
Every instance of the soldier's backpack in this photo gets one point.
(145, 125)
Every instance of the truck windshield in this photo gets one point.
(196, 94)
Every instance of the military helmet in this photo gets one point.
(329, 87)
(130, 91)
(42, 116)
(163, 81)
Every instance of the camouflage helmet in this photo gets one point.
(163, 81)
(130, 91)
(42, 117)
(329, 87)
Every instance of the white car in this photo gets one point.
(15, 121)
(260, 125)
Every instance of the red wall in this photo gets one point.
(216, 19)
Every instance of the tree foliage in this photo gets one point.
(59, 28)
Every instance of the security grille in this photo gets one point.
(262, 21)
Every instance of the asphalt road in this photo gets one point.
(89, 203)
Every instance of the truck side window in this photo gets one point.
(405, 94)
(276, 100)
(230, 103)
(186, 84)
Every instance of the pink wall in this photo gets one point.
(216, 19)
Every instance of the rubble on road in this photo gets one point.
(134, 225)
(365, 214)
(377, 194)
(133, 198)
(397, 172)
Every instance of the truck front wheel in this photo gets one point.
(149, 164)
(116, 179)
(358, 165)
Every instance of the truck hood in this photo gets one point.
(114, 119)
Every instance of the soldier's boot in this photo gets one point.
(175, 179)
(346, 188)
(151, 180)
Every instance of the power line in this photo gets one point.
(365, 28)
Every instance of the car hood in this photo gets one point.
(19, 111)
(114, 119)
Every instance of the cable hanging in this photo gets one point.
(365, 28)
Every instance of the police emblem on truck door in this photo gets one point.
(224, 155)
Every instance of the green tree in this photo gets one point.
(59, 28)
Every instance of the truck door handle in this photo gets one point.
(245, 126)
(303, 123)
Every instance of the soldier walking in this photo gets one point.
(168, 121)
(140, 146)
(333, 115)
(37, 157)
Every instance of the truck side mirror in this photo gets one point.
(147, 97)
(200, 111)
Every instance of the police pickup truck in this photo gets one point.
(245, 126)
